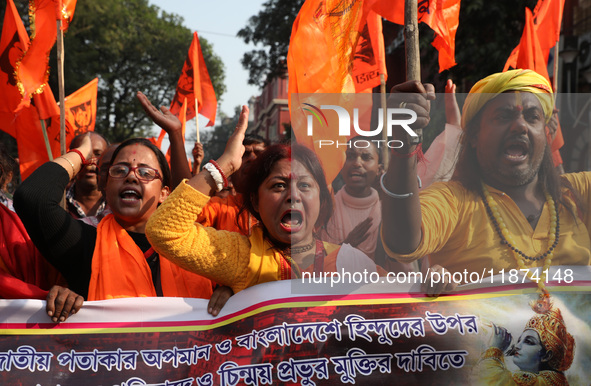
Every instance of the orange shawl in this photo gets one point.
(120, 270)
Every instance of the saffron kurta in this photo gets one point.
(458, 234)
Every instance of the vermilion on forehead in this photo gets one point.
(137, 153)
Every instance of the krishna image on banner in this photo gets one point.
(541, 354)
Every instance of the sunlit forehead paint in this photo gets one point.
(518, 101)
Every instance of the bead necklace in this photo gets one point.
(507, 239)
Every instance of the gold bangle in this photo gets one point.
(71, 164)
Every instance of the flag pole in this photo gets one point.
(60, 76)
(197, 119)
(46, 139)
(411, 41)
(555, 72)
(411, 44)
(386, 153)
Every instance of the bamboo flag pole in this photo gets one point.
(60, 76)
(411, 41)
(411, 44)
(197, 119)
(555, 72)
(383, 71)
(386, 153)
(46, 139)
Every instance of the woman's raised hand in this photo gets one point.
(163, 117)
(231, 160)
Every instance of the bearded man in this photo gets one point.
(505, 207)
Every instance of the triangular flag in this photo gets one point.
(441, 16)
(13, 43)
(321, 50)
(369, 60)
(80, 107)
(547, 17)
(33, 70)
(195, 84)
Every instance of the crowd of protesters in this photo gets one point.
(136, 225)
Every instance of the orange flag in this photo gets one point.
(369, 61)
(529, 54)
(32, 71)
(195, 85)
(32, 152)
(323, 43)
(547, 17)
(65, 12)
(322, 46)
(13, 43)
(80, 109)
(441, 16)
(540, 34)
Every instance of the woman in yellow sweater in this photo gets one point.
(286, 192)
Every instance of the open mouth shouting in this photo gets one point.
(292, 221)
(130, 195)
(516, 150)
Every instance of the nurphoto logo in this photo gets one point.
(402, 117)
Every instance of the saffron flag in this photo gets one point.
(547, 17)
(195, 85)
(540, 34)
(529, 53)
(80, 109)
(369, 60)
(441, 16)
(65, 12)
(32, 152)
(321, 51)
(13, 44)
(32, 71)
(322, 46)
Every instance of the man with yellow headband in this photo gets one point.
(506, 207)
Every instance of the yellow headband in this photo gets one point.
(514, 80)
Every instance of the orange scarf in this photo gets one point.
(120, 270)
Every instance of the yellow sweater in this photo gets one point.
(458, 234)
(227, 258)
